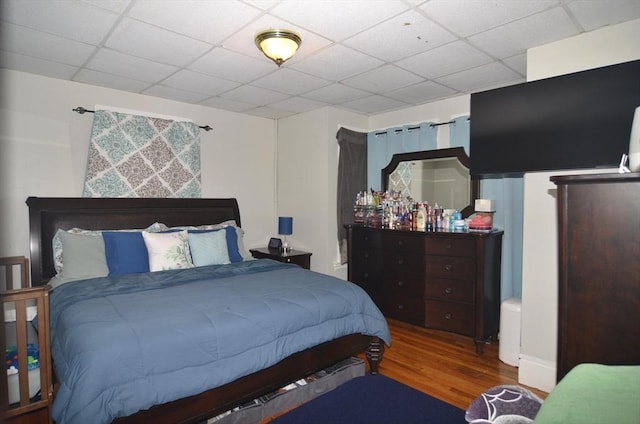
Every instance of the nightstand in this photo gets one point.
(297, 257)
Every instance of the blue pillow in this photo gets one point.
(232, 242)
(126, 252)
(208, 248)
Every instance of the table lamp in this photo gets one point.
(285, 228)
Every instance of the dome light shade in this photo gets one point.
(278, 45)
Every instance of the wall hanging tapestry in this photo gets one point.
(142, 156)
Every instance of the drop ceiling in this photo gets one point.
(366, 56)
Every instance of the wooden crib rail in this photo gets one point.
(11, 262)
(31, 411)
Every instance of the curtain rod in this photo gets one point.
(82, 110)
(417, 128)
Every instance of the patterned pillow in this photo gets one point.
(209, 247)
(504, 405)
(167, 250)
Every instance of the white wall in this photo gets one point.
(307, 181)
(610, 45)
(44, 145)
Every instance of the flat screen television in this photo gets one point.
(575, 121)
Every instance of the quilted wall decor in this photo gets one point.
(140, 156)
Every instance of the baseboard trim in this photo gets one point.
(537, 373)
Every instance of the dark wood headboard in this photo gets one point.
(48, 214)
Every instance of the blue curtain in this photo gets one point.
(459, 133)
(382, 145)
(508, 194)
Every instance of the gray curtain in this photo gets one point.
(352, 178)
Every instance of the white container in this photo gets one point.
(510, 317)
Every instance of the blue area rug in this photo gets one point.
(373, 399)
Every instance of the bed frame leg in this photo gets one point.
(374, 354)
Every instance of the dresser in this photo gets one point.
(443, 280)
(599, 269)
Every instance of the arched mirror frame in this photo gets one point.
(452, 152)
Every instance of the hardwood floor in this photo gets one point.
(444, 365)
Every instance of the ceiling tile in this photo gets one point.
(336, 63)
(210, 21)
(73, 20)
(267, 112)
(139, 39)
(29, 42)
(518, 63)
(289, 81)
(480, 78)
(233, 66)
(297, 104)
(515, 37)
(174, 94)
(117, 6)
(373, 104)
(336, 93)
(594, 14)
(340, 20)
(113, 62)
(32, 65)
(402, 36)
(199, 83)
(423, 92)
(385, 78)
(227, 104)
(88, 76)
(447, 59)
(465, 18)
(253, 95)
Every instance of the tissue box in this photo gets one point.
(485, 205)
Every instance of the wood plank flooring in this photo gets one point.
(444, 365)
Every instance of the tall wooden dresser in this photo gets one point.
(599, 269)
(443, 280)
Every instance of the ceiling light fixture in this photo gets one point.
(278, 45)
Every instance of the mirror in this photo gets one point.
(435, 176)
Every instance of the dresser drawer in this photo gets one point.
(407, 309)
(451, 290)
(402, 282)
(403, 241)
(453, 267)
(451, 246)
(393, 261)
(365, 238)
(448, 316)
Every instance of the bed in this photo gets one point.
(136, 301)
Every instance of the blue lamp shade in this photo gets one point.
(285, 225)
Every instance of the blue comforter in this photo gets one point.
(122, 344)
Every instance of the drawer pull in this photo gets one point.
(448, 316)
(400, 261)
(401, 306)
(400, 283)
(366, 256)
(447, 246)
(366, 275)
(448, 290)
(448, 267)
(400, 242)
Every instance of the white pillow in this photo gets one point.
(167, 250)
(209, 248)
